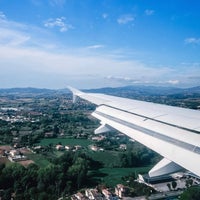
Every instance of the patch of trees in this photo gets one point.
(135, 159)
(136, 156)
(109, 143)
(192, 193)
(63, 176)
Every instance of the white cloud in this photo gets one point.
(11, 37)
(17, 34)
(125, 80)
(29, 62)
(142, 80)
(149, 12)
(187, 74)
(97, 46)
(58, 22)
(124, 19)
(192, 40)
(27, 54)
(12, 33)
(2, 16)
(173, 82)
(73, 68)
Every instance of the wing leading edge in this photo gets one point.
(172, 132)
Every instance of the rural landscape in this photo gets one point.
(48, 149)
(99, 100)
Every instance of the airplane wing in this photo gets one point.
(172, 132)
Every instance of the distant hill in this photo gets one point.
(148, 90)
(134, 90)
(182, 97)
(25, 90)
(30, 90)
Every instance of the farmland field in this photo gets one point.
(40, 160)
(108, 158)
(65, 141)
(112, 176)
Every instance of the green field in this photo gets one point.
(65, 141)
(109, 175)
(113, 176)
(108, 158)
(40, 160)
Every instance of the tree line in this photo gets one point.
(62, 177)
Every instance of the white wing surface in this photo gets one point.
(172, 132)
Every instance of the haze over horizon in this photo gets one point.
(99, 43)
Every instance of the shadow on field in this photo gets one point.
(96, 177)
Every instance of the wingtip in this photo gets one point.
(75, 93)
(74, 90)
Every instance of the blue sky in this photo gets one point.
(98, 43)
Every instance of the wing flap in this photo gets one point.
(165, 166)
(173, 149)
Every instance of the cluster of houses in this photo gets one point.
(16, 115)
(103, 194)
(95, 148)
(60, 147)
(98, 138)
(14, 155)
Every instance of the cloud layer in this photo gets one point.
(149, 12)
(29, 57)
(125, 19)
(58, 22)
(192, 40)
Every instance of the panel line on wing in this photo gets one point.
(157, 135)
(153, 119)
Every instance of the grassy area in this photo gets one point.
(40, 160)
(65, 141)
(4, 160)
(108, 158)
(108, 175)
(112, 176)
(58, 153)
